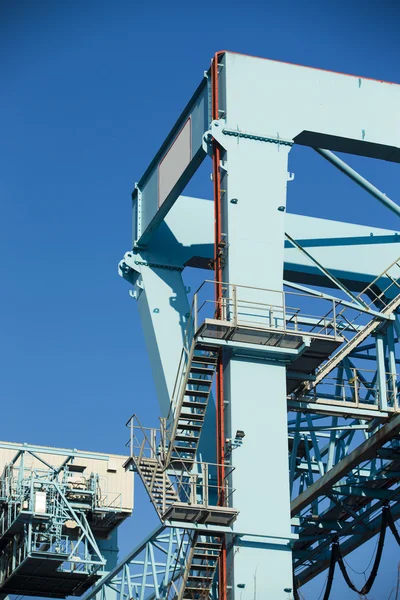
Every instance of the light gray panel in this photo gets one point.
(174, 162)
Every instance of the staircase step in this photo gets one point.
(184, 449)
(194, 381)
(209, 545)
(202, 567)
(182, 463)
(198, 393)
(206, 347)
(201, 370)
(204, 360)
(160, 496)
(192, 427)
(203, 556)
(180, 437)
(190, 417)
(149, 475)
(196, 404)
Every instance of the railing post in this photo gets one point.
(381, 370)
(334, 317)
(205, 484)
(284, 310)
(195, 309)
(192, 479)
(164, 485)
(392, 364)
(151, 453)
(235, 307)
(355, 377)
(222, 310)
(131, 431)
(394, 391)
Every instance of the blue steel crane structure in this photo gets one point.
(59, 513)
(298, 343)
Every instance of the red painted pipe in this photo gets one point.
(220, 408)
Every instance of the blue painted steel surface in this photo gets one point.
(190, 222)
(334, 369)
(148, 212)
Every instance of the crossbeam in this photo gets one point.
(365, 451)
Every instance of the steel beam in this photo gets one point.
(365, 451)
(359, 180)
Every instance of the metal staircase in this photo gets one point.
(188, 495)
(157, 483)
(380, 297)
(201, 567)
(187, 417)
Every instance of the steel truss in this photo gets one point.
(153, 570)
(269, 334)
(51, 520)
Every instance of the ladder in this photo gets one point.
(201, 567)
(188, 419)
(372, 325)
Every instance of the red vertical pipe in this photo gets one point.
(220, 408)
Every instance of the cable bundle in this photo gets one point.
(336, 557)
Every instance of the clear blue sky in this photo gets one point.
(88, 91)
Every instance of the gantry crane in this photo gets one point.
(278, 447)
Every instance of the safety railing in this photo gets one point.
(195, 485)
(385, 287)
(357, 387)
(376, 297)
(262, 308)
(48, 543)
(292, 311)
(109, 500)
(145, 442)
(12, 557)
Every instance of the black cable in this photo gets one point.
(334, 554)
(392, 526)
(334, 557)
(295, 593)
(374, 571)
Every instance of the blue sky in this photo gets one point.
(88, 91)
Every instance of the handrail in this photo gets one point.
(329, 320)
(271, 314)
(190, 486)
(356, 386)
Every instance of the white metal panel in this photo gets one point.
(40, 503)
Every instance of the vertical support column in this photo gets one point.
(380, 363)
(253, 200)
